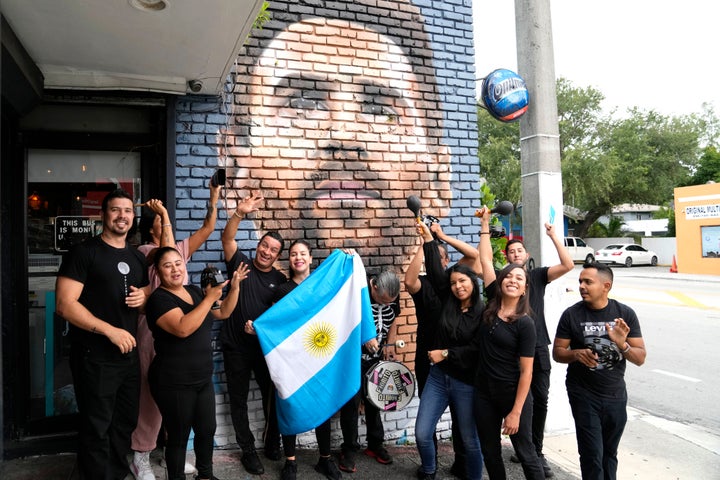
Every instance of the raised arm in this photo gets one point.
(412, 276)
(469, 253)
(203, 233)
(566, 262)
(485, 247)
(244, 206)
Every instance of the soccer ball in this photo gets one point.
(505, 95)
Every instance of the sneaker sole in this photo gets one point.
(374, 455)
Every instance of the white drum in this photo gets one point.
(389, 385)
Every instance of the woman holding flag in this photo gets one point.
(300, 260)
(180, 376)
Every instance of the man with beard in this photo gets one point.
(595, 337)
(101, 286)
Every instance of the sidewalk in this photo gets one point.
(228, 467)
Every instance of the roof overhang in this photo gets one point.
(188, 46)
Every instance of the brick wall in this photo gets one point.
(337, 111)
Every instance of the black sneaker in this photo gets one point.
(421, 475)
(347, 461)
(197, 477)
(289, 471)
(379, 454)
(546, 467)
(252, 463)
(328, 468)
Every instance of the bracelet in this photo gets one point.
(167, 224)
(626, 350)
(235, 214)
(484, 233)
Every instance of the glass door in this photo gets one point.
(66, 189)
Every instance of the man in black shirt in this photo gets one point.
(595, 337)
(241, 349)
(101, 285)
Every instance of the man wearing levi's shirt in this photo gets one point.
(595, 337)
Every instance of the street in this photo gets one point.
(673, 393)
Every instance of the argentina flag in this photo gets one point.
(312, 340)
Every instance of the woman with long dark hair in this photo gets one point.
(180, 376)
(454, 297)
(506, 345)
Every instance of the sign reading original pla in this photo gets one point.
(702, 211)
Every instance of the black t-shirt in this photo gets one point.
(256, 295)
(180, 361)
(427, 311)
(454, 331)
(106, 274)
(537, 280)
(585, 328)
(501, 345)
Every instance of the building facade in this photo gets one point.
(336, 111)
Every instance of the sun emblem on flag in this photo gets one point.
(320, 339)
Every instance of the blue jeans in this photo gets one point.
(599, 424)
(441, 391)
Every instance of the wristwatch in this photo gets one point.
(444, 353)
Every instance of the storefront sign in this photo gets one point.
(702, 211)
(72, 230)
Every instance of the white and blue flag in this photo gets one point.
(312, 341)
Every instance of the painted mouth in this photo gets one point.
(342, 190)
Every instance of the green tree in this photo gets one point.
(499, 156)
(612, 229)
(708, 169)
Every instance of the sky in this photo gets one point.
(657, 55)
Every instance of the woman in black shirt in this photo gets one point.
(180, 376)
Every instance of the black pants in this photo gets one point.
(492, 404)
(186, 407)
(322, 435)
(107, 390)
(240, 363)
(540, 388)
(349, 417)
(599, 425)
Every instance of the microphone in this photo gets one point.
(503, 207)
(413, 203)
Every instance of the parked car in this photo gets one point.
(579, 250)
(626, 254)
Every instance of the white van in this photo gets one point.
(579, 250)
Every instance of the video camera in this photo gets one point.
(211, 277)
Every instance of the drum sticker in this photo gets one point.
(394, 386)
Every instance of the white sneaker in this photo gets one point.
(140, 466)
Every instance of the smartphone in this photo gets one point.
(218, 178)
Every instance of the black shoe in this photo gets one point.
(379, 454)
(328, 468)
(458, 469)
(421, 475)
(272, 452)
(252, 463)
(197, 477)
(289, 471)
(514, 458)
(347, 461)
(546, 467)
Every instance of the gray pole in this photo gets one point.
(539, 134)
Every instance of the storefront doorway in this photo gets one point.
(66, 191)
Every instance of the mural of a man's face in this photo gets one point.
(341, 130)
